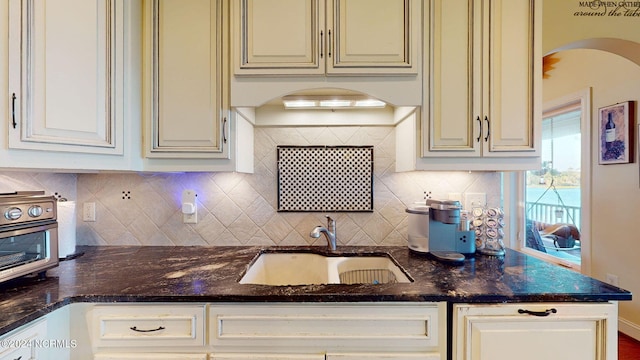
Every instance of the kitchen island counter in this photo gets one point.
(210, 274)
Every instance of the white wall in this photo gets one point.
(615, 188)
(615, 197)
(566, 22)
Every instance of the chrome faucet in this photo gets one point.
(329, 232)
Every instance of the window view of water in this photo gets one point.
(570, 196)
(552, 193)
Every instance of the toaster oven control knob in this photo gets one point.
(35, 211)
(13, 213)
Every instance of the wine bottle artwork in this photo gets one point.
(609, 132)
(615, 133)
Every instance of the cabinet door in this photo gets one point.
(567, 332)
(66, 75)
(291, 37)
(185, 88)
(21, 344)
(511, 77)
(482, 88)
(278, 36)
(372, 36)
(452, 73)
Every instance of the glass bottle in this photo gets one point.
(609, 131)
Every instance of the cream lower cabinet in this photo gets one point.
(482, 85)
(533, 331)
(27, 342)
(148, 331)
(151, 357)
(328, 331)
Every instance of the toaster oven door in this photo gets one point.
(28, 250)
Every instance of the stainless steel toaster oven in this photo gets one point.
(28, 234)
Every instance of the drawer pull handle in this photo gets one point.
(18, 358)
(486, 138)
(224, 130)
(480, 132)
(538, 313)
(135, 328)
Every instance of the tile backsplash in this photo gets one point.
(241, 209)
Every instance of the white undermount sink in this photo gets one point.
(300, 268)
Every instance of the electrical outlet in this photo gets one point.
(613, 279)
(89, 211)
(473, 200)
(189, 207)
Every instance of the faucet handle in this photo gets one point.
(331, 223)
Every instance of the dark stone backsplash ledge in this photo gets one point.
(211, 274)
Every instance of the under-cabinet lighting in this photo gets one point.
(333, 103)
(299, 104)
(330, 102)
(369, 103)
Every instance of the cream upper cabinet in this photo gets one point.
(184, 90)
(535, 331)
(316, 37)
(66, 76)
(482, 80)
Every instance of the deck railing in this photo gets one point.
(553, 213)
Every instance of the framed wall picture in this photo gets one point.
(616, 133)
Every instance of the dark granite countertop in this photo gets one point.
(211, 274)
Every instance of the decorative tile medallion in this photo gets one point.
(325, 178)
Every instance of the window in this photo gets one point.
(553, 203)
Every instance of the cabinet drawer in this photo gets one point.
(147, 356)
(261, 356)
(383, 356)
(148, 325)
(360, 327)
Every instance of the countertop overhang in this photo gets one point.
(211, 274)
